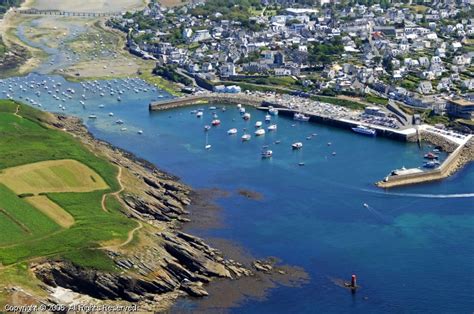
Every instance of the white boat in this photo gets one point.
(140, 132)
(123, 129)
(92, 116)
(273, 111)
(239, 106)
(260, 132)
(272, 127)
(207, 128)
(297, 145)
(199, 114)
(242, 110)
(364, 130)
(119, 121)
(267, 154)
(101, 106)
(258, 124)
(232, 131)
(208, 146)
(212, 108)
(246, 137)
(300, 117)
(111, 114)
(246, 116)
(268, 118)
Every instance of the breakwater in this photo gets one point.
(463, 154)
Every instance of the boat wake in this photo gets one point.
(422, 195)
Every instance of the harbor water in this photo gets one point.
(412, 248)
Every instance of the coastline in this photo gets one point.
(171, 263)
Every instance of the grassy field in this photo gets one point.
(52, 210)
(52, 176)
(28, 232)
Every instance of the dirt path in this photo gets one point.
(119, 176)
(16, 112)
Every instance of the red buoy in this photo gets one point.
(354, 281)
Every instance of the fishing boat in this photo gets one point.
(260, 132)
(232, 131)
(199, 114)
(246, 116)
(216, 122)
(430, 155)
(267, 154)
(272, 127)
(364, 130)
(268, 118)
(297, 145)
(300, 117)
(258, 124)
(246, 137)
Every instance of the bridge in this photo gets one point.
(66, 13)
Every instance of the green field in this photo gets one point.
(26, 232)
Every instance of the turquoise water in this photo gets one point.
(412, 248)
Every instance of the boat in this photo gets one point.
(258, 124)
(334, 153)
(246, 137)
(193, 111)
(297, 145)
(364, 130)
(207, 128)
(216, 122)
(300, 117)
(212, 108)
(214, 115)
(208, 146)
(199, 114)
(277, 142)
(239, 106)
(232, 131)
(431, 164)
(246, 116)
(260, 132)
(430, 155)
(140, 132)
(301, 164)
(242, 110)
(111, 114)
(272, 127)
(101, 106)
(92, 116)
(223, 109)
(267, 154)
(272, 111)
(268, 118)
(119, 121)
(123, 129)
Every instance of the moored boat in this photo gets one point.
(430, 155)
(246, 116)
(246, 137)
(260, 132)
(300, 117)
(297, 145)
(258, 124)
(364, 130)
(232, 131)
(272, 111)
(199, 114)
(267, 153)
(216, 122)
(272, 127)
(268, 118)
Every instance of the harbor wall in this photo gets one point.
(462, 155)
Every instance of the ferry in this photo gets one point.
(260, 132)
(216, 122)
(246, 137)
(272, 127)
(297, 145)
(364, 130)
(300, 117)
(232, 131)
(258, 124)
(267, 154)
(246, 116)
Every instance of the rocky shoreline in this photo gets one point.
(165, 263)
